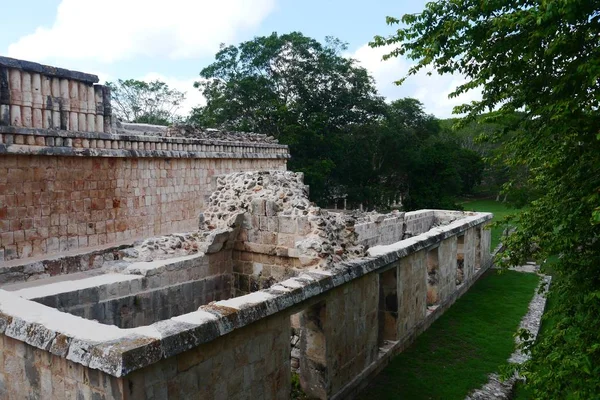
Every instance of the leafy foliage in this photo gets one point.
(293, 87)
(487, 140)
(539, 58)
(342, 135)
(145, 102)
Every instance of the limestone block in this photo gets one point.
(82, 121)
(91, 122)
(98, 100)
(65, 119)
(82, 93)
(46, 119)
(107, 124)
(5, 115)
(36, 91)
(55, 124)
(46, 88)
(99, 123)
(73, 121)
(106, 98)
(4, 86)
(26, 89)
(65, 96)
(26, 117)
(257, 207)
(55, 91)
(287, 225)
(74, 95)
(91, 100)
(14, 83)
(38, 121)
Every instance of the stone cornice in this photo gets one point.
(47, 70)
(14, 140)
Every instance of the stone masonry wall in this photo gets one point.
(379, 229)
(412, 291)
(240, 347)
(56, 204)
(249, 363)
(352, 330)
(39, 96)
(48, 376)
(130, 297)
(150, 306)
(265, 250)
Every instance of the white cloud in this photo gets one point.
(432, 90)
(112, 30)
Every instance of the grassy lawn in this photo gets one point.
(499, 209)
(472, 339)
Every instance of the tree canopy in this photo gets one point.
(292, 87)
(341, 133)
(145, 102)
(541, 59)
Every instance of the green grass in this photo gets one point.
(499, 209)
(471, 340)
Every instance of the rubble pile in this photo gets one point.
(192, 132)
(283, 191)
(332, 237)
(163, 247)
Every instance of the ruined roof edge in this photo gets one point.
(47, 70)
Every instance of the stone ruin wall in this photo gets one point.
(71, 179)
(349, 314)
(262, 282)
(43, 97)
(52, 203)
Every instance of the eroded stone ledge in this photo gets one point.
(118, 352)
(92, 144)
(48, 70)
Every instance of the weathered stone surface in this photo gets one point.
(350, 290)
(168, 324)
(188, 131)
(329, 237)
(47, 70)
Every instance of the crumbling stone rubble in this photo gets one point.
(189, 131)
(331, 237)
(192, 132)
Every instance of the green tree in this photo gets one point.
(542, 59)
(290, 86)
(486, 139)
(145, 102)
(403, 156)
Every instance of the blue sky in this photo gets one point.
(173, 40)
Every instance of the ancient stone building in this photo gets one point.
(70, 180)
(143, 263)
